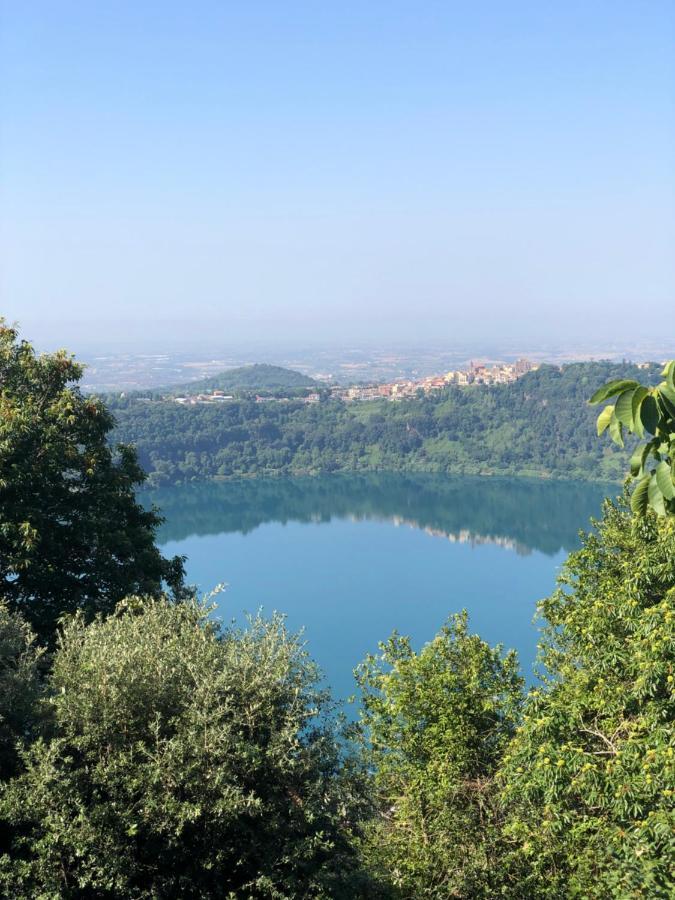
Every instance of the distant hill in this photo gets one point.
(258, 377)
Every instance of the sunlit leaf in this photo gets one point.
(616, 431)
(669, 374)
(655, 496)
(611, 389)
(664, 480)
(639, 395)
(624, 408)
(605, 418)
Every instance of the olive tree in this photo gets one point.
(183, 761)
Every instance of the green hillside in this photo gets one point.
(539, 426)
(258, 377)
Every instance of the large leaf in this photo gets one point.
(616, 431)
(639, 500)
(667, 402)
(624, 408)
(669, 374)
(639, 395)
(638, 459)
(664, 480)
(611, 389)
(605, 418)
(655, 496)
(649, 414)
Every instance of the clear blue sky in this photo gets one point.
(338, 171)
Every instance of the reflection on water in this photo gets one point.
(350, 583)
(518, 514)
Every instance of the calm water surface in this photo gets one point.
(351, 558)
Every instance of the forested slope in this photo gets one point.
(541, 425)
(258, 377)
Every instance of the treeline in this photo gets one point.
(540, 425)
(146, 752)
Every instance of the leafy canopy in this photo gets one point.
(645, 412)
(182, 761)
(435, 726)
(587, 783)
(72, 536)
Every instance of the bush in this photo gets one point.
(588, 781)
(183, 762)
(436, 724)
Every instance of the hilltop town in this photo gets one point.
(477, 373)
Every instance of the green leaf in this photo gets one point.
(649, 414)
(669, 374)
(624, 408)
(638, 396)
(664, 480)
(611, 389)
(605, 418)
(655, 496)
(667, 401)
(639, 500)
(616, 431)
(637, 460)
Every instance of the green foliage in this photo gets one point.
(537, 426)
(645, 411)
(182, 761)
(436, 725)
(19, 687)
(260, 377)
(588, 781)
(72, 536)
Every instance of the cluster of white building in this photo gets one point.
(222, 397)
(477, 373)
(213, 397)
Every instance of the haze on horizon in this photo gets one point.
(336, 172)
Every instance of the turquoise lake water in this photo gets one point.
(351, 558)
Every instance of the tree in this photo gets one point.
(183, 761)
(645, 411)
(19, 687)
(72, 535)
(436, 724)
(588, 780)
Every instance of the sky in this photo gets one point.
(224, 172)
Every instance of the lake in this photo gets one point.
(350, 558)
